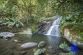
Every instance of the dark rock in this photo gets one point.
(43, 27)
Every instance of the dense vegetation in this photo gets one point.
(72, 12)
(30, 12)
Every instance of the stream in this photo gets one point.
(52, 38)
(11, 47)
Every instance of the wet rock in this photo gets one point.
(7, 35)
(43, 27)
(15, 40)
(42, 44)
(28, 45)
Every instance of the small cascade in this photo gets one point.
(54, 37)
(54, 29)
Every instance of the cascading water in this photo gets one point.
(53, 35)
(54, 29)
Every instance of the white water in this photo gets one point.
(54, 29)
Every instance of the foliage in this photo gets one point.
(72, 12)
(64, 46)
(31, 11)
(40, 51)
(11, 22)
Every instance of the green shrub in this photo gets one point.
(11, 22)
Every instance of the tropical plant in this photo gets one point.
(11, 22)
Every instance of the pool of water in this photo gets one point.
(11, 47)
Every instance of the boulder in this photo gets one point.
(42, 44)
(28, 45)
(6, 35)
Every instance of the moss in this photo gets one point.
(78, 27)
(75, 29)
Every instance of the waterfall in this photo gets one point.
(53, 35)
(54, 29)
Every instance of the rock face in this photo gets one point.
(43, 27)
(6, 35)
(28, 45)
